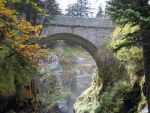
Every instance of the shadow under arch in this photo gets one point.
(87, 45)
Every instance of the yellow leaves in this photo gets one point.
(19, 32)
(44, 50)
(2, 2)
(35, 6)
(11, 33)
(27, 32)
(1, 25)
(5, 12)
(21, 46)
(30, 51)
(33, 47)
(38, 28)
(25, 26)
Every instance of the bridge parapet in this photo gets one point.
(92, 29)
(81, 21)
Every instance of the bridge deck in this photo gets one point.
(81, 22)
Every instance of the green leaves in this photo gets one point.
(125, 37)
(16, 1)
(81, 9)
(112, 101)
(27, 1)
(126, 11)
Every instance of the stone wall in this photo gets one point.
(81, 21)
(91, 29)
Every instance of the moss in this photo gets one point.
(52, 98)
(87, 102)
(119, 32)
(112, 101)
(132, 99)
(4, 51)
(7, 86)
(124, 97)
(20, 83)
(131, 58)
(118, 37)
(121, 78)
(85, 107)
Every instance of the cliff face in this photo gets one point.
(118, 88)
(67, 74)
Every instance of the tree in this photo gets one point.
(81, 9)
(15, 33)
(52, 8)
(136, 13)
(100, 12)
(18, 59)
(35, 9)
(27, 8)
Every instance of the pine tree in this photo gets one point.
(100, 12)
(81, 9)
(137, 13)
(33, 9)
(52, 8)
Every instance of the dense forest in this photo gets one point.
(122, 85)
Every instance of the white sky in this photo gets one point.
(94, 4)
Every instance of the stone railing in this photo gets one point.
(80, 22)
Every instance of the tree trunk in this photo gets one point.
(146, 55)
(28, 13)
(34, 18)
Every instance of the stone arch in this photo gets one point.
(84, 43)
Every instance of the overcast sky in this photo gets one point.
(94, 4)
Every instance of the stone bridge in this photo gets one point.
(87, 32)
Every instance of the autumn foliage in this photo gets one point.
(15, 33)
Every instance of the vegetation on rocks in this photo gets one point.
(120, 89)
(136, 13)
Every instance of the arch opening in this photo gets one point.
(84, 43)
(81, 67)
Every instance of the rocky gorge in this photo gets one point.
(69, 71)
